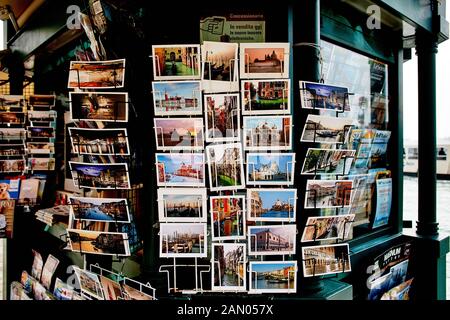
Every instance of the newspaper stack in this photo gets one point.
(53, 215)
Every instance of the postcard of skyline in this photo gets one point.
(177, 88)
(186, 228)
(216, 49)
(269, 198)
(181, 125)
(172, 162)
(330, 183)
(98, 201)
(329, 122)
(181, 198)
(253, 122)
(95, 170)
(261, 53)
(261, 159)
(325, 90)
(271, 266)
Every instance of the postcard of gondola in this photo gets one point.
(328, 161)
(220, 67)
(276, 205)
(176, 61)
(42, 101)
(8, 118)
(222, 117)
(99, 209)
(327, 259)
(179, 133)
(182, 205)
(268, 133)
(326, 130)
(97, 74)
(171, 98)
(102, 243)
(99, 175)
(269, 240)
(182, 240)
(264, 60)
(227, 217)
(100, 142)
(89, 283)
(99, 106)
(40, 147)
(270, 168)
(322, 194)
(322, 96)
(226, 166)
(180, 169)
(328, 228)
(229, 267)
(266, 96)
(273, 277)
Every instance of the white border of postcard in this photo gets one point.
(290, 228)
(276, 147)
(85, 93)
(286, 91)
(201, 193)
(325, 273)
(268, 45)
(158, 76)
(244, 268)
(291, 216)
(158, 94)
(183, 255)
(104, 200)
(243, 215)
(105, 62)
(271, 183)
(256, 290)
(181, 184)
(125, 136)
(342, 122)
(342, 234)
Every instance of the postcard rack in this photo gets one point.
(114, 73)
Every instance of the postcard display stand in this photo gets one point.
(259, 220)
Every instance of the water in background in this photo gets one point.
(410, 207)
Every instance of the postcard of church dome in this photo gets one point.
(266, 96)
(276, 205)
(326, 130)
(328, 161)
(176, 61)
(102, 243)
(323, 96)
(100, 142)
(99, 106)
(220, 67)
(99, 175)
(226, 166)
(222, 117)
(227, 217)
(228, 272)
(99, 209)
(322, 194)
(270, 168)
(179, 133)
(273, 277)
(328, 228)
(327, 259)
(268, 133)
(182, 205)
(177, 98)
(264, 60)
(97, 74)
(270, 240)
(182, 240)
(180, 169)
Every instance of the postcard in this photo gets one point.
(268, 133)
(226, 166)
(182, 205)
(17, 292)
(327, 130)
(99, 106)
(176, 62)
(40, 292)
(273, 277)
(104, 243)
(100, 176)
(270, 168)
(39, 115)
(49, 269)
(182, 240)
(180, 169)
(28, 281)
(41, 132)
(220, 67)
(130, 293)
(62, 291)
(111, 289)
(179, 133)
(328, 259)
(44, 164)
(16, 165)
(38, 264)
(100, 209)
(229, 269)
(29, 189)
(177, 98)
(222, 117)
(100, 142)
(8, 150)
(227, 217)
(383, 202)
(322, 96)
(264, 60)
(40, 147)
(42, 100)
(97, 74)
(9, 189)
(379, 148)
(9, 118)
(271, 96)
(12, 134)
(89, 283)
(9, 102)
(277, 205)
(328, 228)
(328, 161)
(7, 208)
(322, 194)
(272, 240)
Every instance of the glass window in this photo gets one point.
(442, 154)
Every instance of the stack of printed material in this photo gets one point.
(53, 215)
